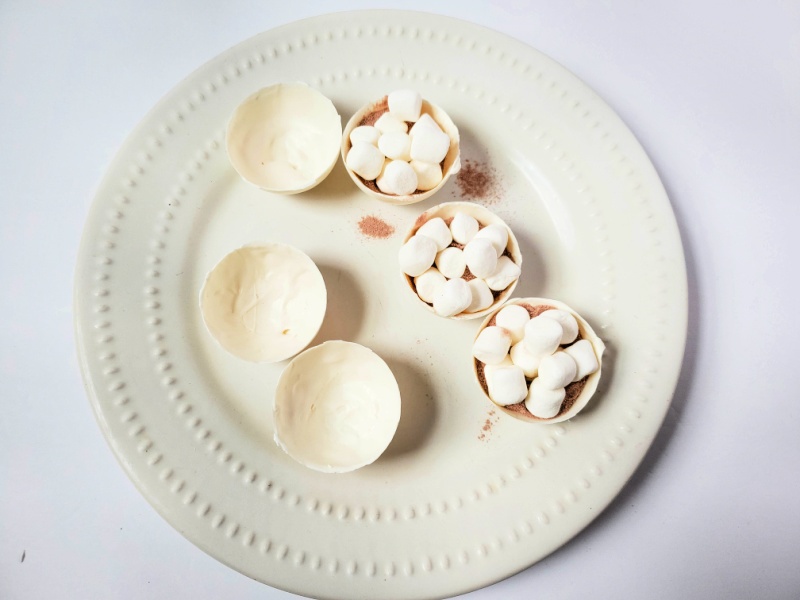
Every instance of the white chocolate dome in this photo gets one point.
(284, 138)
(264, 302)
(337, 407)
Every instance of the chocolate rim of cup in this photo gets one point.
(590, 382)
(484, 216)
(450, 165)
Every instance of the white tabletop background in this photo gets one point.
(712, 91)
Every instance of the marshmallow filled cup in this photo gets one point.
(582, 345)
(471, 245)
(415, 115)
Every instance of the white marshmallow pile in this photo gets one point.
(400, 160)
(437, 266)
(543, 350)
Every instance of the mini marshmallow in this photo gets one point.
(542, 336)
(491, 346)
(365, 133)
(496, 233)
(388, 123)
(452, 298)
(505, 273)
(585, 359)
(397, 178)
(543, 402)
(365, 160)
(437, 230)
(557, 370)
(568, 323)
(451, 263)
(417, 255)
(526, 361)
(395, 145)
(481, 257)
(513, 318)
(425, 122)
(507, 385)
(405, 104)
(428, 284)
(487, 369)
(482, 296)
(429, 145)
(429, 175)
(464, 227)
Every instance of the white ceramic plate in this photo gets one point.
(463, 497)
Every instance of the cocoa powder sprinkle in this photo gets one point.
(487, 425)
(375, 227)
(478, 180)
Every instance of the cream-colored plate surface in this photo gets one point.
(462, 497)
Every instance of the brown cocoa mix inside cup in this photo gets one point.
(573, 390)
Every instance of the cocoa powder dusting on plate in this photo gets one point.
(375, 227)
(491, 419)
(478, 180)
